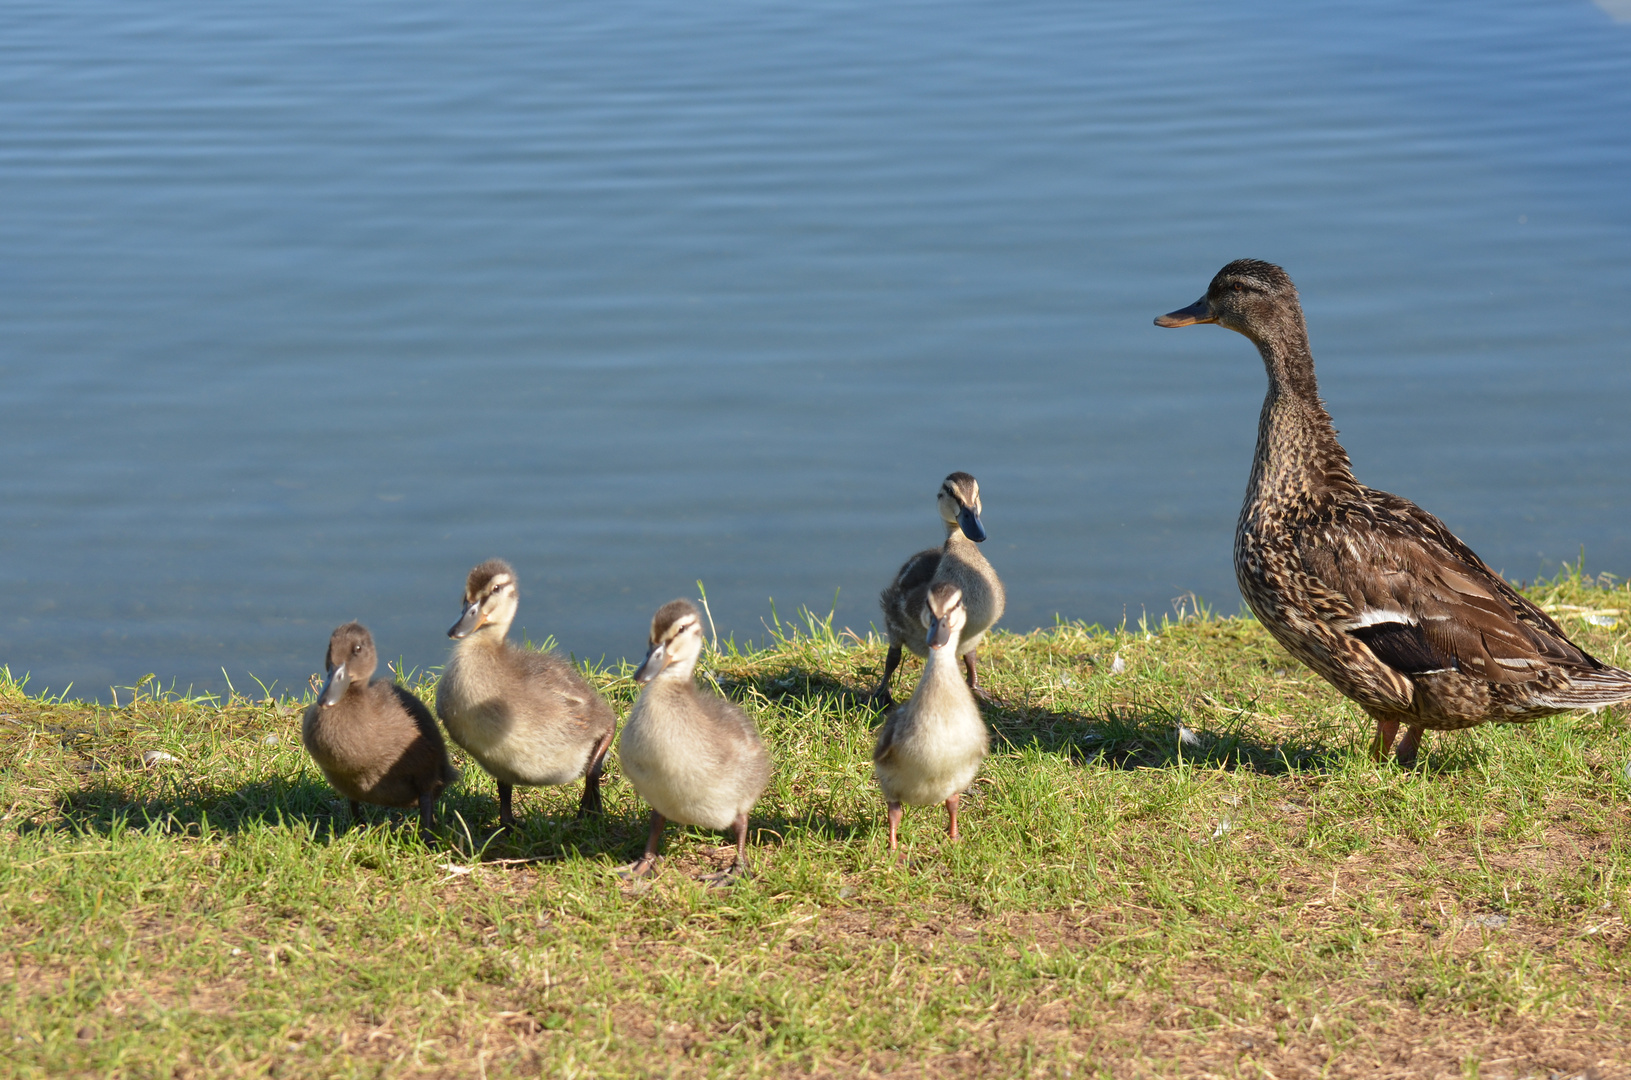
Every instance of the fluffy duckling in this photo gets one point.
(375, 741)
(1368, 589)
(695, 757)
(527, 717)
(930, 749)
(959, 562)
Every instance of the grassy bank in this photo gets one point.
(1262, 901)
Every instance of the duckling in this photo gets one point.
(930, 749)
(1368, 589)
(527, 717)
(375, 741)
(959, 562)
(695, 757)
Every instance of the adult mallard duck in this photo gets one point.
(1368, 589)
(958, 562)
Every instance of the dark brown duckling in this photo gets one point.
(375, 741)
(1368, 589)
(958, 562)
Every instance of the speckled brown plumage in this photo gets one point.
(1368, 589)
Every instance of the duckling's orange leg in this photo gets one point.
(881, 698)
(894, 826)
(951, 813)
(1409, 745)
(506, 795)
(1385, 731)
(591, 803)
(647, 862)
(971, 664)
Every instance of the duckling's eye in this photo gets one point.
(357, 648)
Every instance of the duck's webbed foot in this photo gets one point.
(972, 665)
(1410, 746)
(880, 698)
(1385, 732)
(739, 868)
(646, 864)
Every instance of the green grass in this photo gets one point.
(1266, 902)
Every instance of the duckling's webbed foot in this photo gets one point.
(739, 868)
(880, 697)
(1409, 746)
(645, 864)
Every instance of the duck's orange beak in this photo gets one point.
(1198, 312)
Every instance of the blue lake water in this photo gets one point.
(306, 308)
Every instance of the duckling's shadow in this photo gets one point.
(277, 802)
(1154, 738)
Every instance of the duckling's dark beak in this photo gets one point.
(334, 687)
(969, 522)
(656, 660)
(1198, 312)
(939, 633)
(468, 622)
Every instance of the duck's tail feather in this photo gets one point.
(1592, 689)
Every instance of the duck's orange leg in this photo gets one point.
(1385, 731)
(1409, 745)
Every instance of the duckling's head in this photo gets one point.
(490, 598)
(1249, 296)
(351, 659)
(944, 615)
(676, 642)
(959, 501)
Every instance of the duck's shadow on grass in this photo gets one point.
(1143, 737)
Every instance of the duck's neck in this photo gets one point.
(491, 636)
(940, 674)
(1297, 448)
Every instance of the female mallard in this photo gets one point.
(1368, 589)
(960, 563)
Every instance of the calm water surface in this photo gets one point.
(306, 308)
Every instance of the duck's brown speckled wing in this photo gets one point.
(1392, 576)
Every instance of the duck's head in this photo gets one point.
(351, 659)
(959, 501)
(944, 615)
(675, 643)
(1248, 296)
(490, 598)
